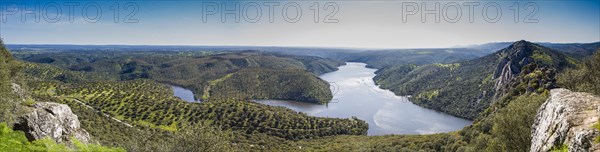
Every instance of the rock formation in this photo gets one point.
(566, 118)
(51, 120)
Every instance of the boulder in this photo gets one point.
(52, 120)
(566, 118)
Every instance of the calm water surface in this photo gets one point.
(355, 94)
(184, 94)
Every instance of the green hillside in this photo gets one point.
(258, 83)
(382, 58)
(467, 88)
(11, 104)
(143, 102)
(193, 70)
(499, 91)
(9, 74)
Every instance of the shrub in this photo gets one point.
(16, 141)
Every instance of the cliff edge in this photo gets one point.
(566, 119)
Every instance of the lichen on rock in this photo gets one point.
(52, 120)
(566, 118)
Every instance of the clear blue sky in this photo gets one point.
(355, 23)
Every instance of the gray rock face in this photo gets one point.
(513, 59)
(566, 118)
(52, 120)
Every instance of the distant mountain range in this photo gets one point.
(577, 49)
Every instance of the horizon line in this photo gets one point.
(274, 46)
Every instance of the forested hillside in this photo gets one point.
(503, 126)
(195, 70)
(584, 78)
(507, 123)
(257, 83)
(14, 100)
(501, 92)
(143, 102)
(577, 50)
(467, 88)
(8, 70)
(382, 58)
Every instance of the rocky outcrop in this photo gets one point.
(513, 59)
(566, 118)
(51, 120)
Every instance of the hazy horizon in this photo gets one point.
(316, 47)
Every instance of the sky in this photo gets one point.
(321, 23)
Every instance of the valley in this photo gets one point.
(299, 76)
(355, 94)
(254, 100)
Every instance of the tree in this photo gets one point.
(8, 70)
(584, 79)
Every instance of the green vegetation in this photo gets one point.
(597, 127)
(505, 124)
(383, 58)
(121, 100)
(512, 125)
(457, 90)
(506, 129)
(194, 138)
(167, 123)
(562, 148)
(428, 95)
(435, 142)
(9, 69)
(143, 102)
(392, 74)
(467, 88)
(12, 97)
(450, 66)
(584, 78)
(195, 71)
(109, 132)
(576, 50)
(541, 56)
(295, 85)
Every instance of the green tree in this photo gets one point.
(585, 78)
(512, 124)
(8, 70)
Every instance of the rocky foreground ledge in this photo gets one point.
(52, 120)
(566, 119)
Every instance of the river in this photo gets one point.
(184, 94)
(355, 94)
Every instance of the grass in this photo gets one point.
(16, 141)
(597, 127)
(540, 56)
(451, 66)
(561, 148)
(206, 94)
(488, 79)
(429, 94)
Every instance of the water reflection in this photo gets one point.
(184, 94)
(386, 113)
